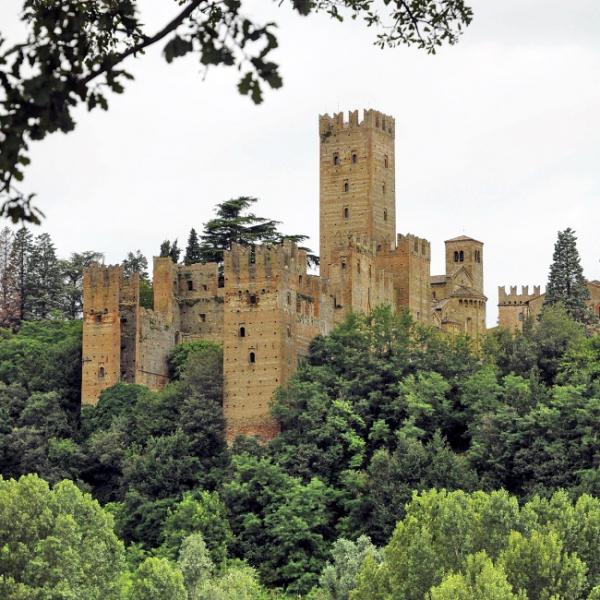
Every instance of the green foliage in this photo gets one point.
(195, 563)
(199, 512)
(179, 356)
(566, 283)
(193, 252)
(56, 543)
(339, 577)
(235, 225)
(481, 579)
(156, 579)
(457, 545)
(238, 582)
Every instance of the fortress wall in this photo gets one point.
(157, 338)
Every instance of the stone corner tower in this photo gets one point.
(357, 183)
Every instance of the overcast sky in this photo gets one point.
(497, 137)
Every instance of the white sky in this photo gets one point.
(497, 137)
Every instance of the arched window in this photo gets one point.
(346, 186)
(354, 158)
(336, 159)
(346, 212)
(461, 257)
(101, 373)
(386, 161)
(242, 332)
(252, 358)
(456, 257)
(385, 214)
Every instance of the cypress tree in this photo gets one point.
(45, 279)
(165, 249)
(9, 302)
(193, 253)
(175, 252)
(566, 283)
(19, 264)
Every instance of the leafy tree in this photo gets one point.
(202, 513)
(57, 543)
(138, 263)
(481, 580)
(195, 563)
(538, 566)
(280, 525)
(45, 279)
(72, 275)
(338, 578)
(156, 579)
(193, 252)
(135, 262)
(73, 54)
(566, 283)
(237, 582)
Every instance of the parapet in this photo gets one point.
(260, 262)
(512, 297)
(372, 119)
(414, 244)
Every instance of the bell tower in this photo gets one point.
(357, 183)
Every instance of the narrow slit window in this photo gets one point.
(354, 158)
(190, 285)
(336, 159)
(101, 372)
(346, 212)
(386, 162)
(346, 186)
(461, 256)
(252, 358)
(456, 257)
(385, 214)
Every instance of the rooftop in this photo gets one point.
(463, 238)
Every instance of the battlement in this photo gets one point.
(512, 297)
(372, 119)
(414, 244)
(262, 262)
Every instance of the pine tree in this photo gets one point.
(165, 249)
(19, 264)
(72, 276)
(44, 279)
(175, 252)
(566, 283)
(193, 253)
(233, 226)
(9, 303)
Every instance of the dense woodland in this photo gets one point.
(410, 465)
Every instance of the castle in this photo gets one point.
(514, 308)
(266, 308)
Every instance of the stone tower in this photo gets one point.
(357, 186)
(465, 252)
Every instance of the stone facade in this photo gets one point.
(515, 308)
(264, 307)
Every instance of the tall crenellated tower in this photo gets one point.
(464, 251)
(357, 184)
